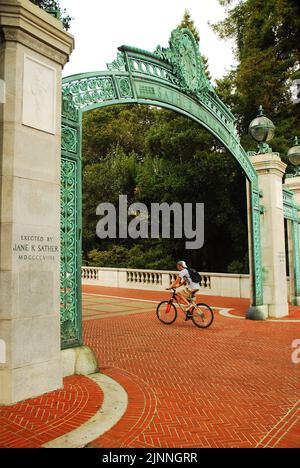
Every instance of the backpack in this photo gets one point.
(194, 275)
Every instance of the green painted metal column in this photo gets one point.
(256, 211)
(296, 254)
(291, 209)
(71, 227)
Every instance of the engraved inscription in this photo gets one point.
(147, 90)
(36, 248)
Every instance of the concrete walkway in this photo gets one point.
(232, 385)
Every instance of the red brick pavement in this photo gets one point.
(240, 305)
(232, 385)
(286, 433)
(34, 422)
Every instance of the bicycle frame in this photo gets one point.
(174, 298)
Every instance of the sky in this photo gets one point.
(100, 27)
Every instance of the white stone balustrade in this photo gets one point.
(214, 284)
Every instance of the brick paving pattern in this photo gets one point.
(233, 385)
(32, 423)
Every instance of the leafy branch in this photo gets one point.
(52, 7)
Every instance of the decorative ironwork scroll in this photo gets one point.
(256, 244)
(70, 316)
(173, 78)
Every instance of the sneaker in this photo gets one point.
(188, 316)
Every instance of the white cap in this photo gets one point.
(182, 263)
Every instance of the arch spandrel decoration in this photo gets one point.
(173, 78)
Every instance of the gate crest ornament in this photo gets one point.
(185, 58)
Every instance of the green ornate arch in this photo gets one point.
(173, 78)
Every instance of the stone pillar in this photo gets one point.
(33, 49)
(270, 171)
(293, 184)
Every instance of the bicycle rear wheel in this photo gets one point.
(202, 315)
(166, 312)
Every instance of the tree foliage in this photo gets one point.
(53, 7)
(155, 156)
(267, 47)
(188, 22)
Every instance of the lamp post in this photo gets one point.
(294, 155)
(262, 130)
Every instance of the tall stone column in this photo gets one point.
(33, 49)
(270, 170)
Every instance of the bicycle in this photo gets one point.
(201, 314)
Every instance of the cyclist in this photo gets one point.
(185, 287)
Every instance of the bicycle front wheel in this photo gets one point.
(202, 316)
(166, 312)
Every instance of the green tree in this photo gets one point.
(150, 255)
(155, 155)
(53, 7)
(267, 47)
(124, 126)
(184, 163)
(188, 22)
(103, 183)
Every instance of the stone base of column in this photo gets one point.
(264, 312)
(79, 361)
(257, 313)
(29, 382)
(278, 310)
